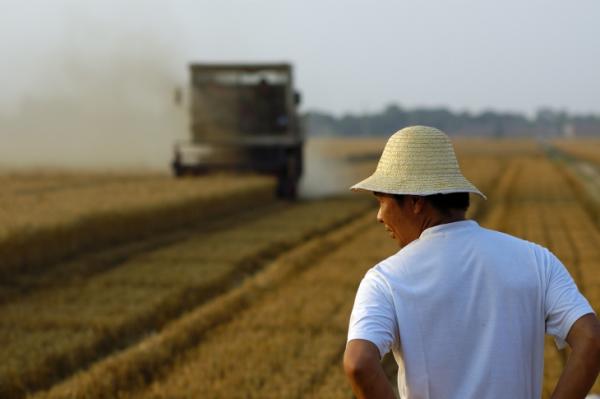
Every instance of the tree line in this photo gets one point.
(546, 122)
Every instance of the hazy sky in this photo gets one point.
(349, 55)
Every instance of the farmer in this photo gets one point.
(464, 309)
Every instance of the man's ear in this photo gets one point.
(418, 204)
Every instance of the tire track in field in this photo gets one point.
(285, 344)
(33, 361)
(90, 317)
(24, 282)
(123, 372)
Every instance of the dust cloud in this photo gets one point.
(324, 175)
(99, 102)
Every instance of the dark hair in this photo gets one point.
(444, 202)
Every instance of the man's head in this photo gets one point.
(445, 204)
(418, 183)
(406, 216)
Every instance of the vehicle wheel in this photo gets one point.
(287, 185)
(178, 170)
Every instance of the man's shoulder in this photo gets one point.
(491, 234)
(383, 270)
(499, 237)
(476, 235)
(513, 247)
(391, 266)
(481, 243)
(479, 239)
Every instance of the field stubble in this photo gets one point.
(47, 218)
(49, 333)
(125, 371)
(293, 340)
(585, 149)
(276, 329)
(297, 331)
(287, 341)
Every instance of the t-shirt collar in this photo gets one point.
(448, 228)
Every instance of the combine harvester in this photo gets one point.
(243, 118)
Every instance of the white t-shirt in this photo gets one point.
(464, 310)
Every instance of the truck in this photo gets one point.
(243, 118)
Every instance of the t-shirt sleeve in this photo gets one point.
(373, 316)
(564, 303)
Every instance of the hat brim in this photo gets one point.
(438, 185)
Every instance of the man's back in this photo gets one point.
(465, 310)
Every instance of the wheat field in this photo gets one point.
(44, 218)
(256, 305)
(587, 149)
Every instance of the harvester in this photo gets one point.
(243, 118)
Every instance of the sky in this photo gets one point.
(348, 55)
(98, 76)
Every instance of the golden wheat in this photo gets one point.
(286, 335)
(288, 342)
(41, 225)
(85, 319)
(584, 148)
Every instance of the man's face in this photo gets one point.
(398, 218)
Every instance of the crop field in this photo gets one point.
(46, 217)
(586, 149)
(249, 297)
(101, 311)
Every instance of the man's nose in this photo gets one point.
(379, 218)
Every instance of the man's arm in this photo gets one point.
(583, 365)
(362, 365)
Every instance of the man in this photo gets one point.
(464, 309)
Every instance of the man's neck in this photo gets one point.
(444, 218)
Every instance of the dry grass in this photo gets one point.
(282, 332)
(270, 320)
(118, 374)
(28, 182)
(371, 148)
(110, 309)
(270, 367)
(289, 341)
(582, 148)
(44, 219)
(495, 147)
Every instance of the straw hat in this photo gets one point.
(417, 160)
